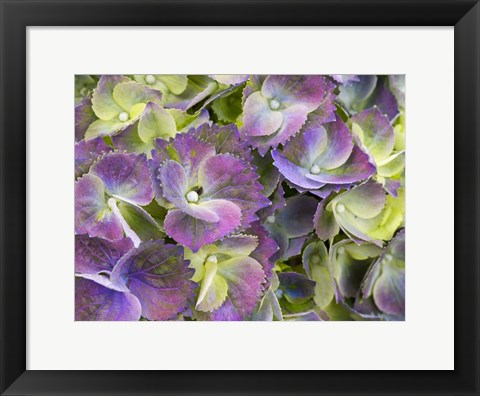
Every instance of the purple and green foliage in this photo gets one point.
(239, 197)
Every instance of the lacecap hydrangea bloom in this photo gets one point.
(227, 197)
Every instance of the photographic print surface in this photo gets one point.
(239, 197)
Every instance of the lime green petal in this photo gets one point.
(213, 290)
(103, 128)
(156, 122)
(315, 258)
(128, 94)
(176, 84)
(392, 166)
(103, 103)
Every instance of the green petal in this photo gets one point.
(156, 122)
(392, 166)
(213, 290)
(103, 128)
(315, 259)
(103, 103)
(129, 94)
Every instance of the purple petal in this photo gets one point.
(265, 249)
(295, 246)
(384, 100)
(297, 90)
(95, 255)
(293, 119)
(87, 152)
(94, 301)
(304, 148)
(158, 276)
(245, 278)
(174, 183)
(294, 173)
(194, 233)
(259, 119)
(226, 139)
(84, 116)
(339, 147)
(228, 178)
(279, 235)
(92, 214)
(326, 226)
(296, 288)
(126, 176)
(389, 289)
(226, 312)
(187, 151)
(297, 217)
(129, 140)
(278, 202)
(357, 168)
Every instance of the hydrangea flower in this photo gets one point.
(232, 274)
(322, 158)
(385, 282)
(277, 111)
(377, 136)
(315, 262)
(289, 226)
(365, 213)
(84, 116)
(349, 264)
(368, 91)
(86, 152)
(176, 83)
(111, 194)
(118, 101)
(151, 281)
(295, 294)
(209, 195)
(156, 123)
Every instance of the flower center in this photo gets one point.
(123, 116)
(271, 219)
(340, 208)
(150, 79)
(212, 259)
(192, 196)
(315, 169)
(274, 104)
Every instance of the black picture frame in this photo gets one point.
(17, 15)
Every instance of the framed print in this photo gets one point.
(205, 198)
